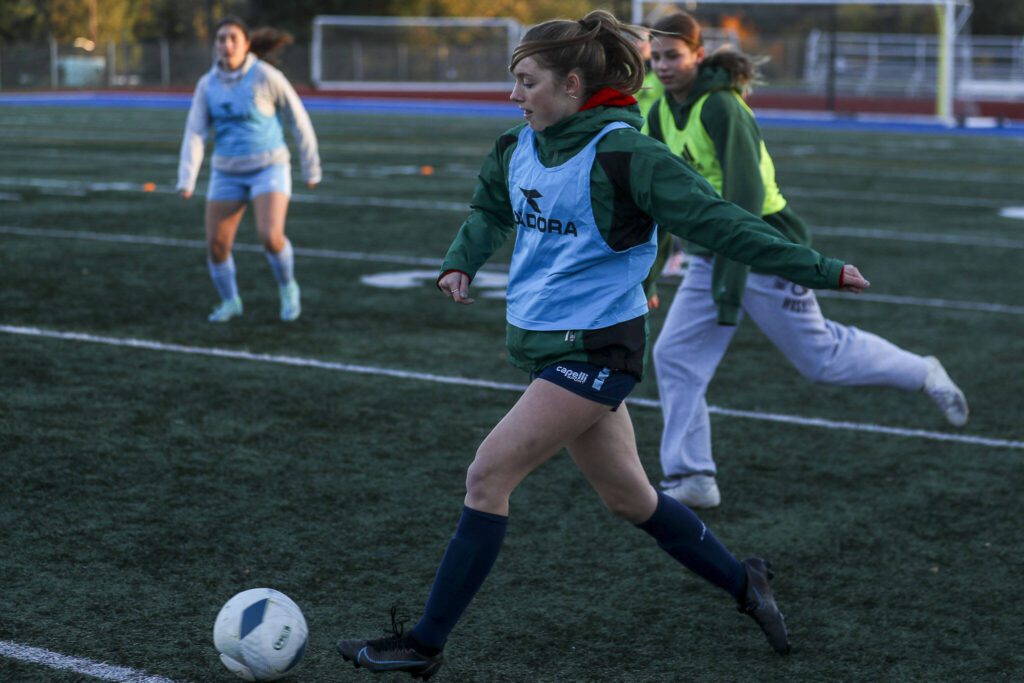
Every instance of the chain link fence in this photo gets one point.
(863, 64)
(160, 64)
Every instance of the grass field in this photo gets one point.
(152, 465)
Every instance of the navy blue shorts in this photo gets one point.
(590, 381)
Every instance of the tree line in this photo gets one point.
(192, 20)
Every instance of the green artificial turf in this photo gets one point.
(141, 487)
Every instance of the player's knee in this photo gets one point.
(219, 251)
(483, 483)
(815, 372)
(624, 504)
(670, 363)
(273, 243)
(618, 506)
(661, 354)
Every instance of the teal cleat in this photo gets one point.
(291, 306)
(226, 310)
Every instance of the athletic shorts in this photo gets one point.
(592, 382)
(244, 186)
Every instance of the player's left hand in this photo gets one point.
(852, 280)
(312, 185)
(456, 285)
(653, 302)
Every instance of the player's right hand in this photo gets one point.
(852, 281)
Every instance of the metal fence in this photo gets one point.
(987, 67)
(901, 64)
(122, 65)
(388, 53)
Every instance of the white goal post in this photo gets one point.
(389, 54)
(953, 16)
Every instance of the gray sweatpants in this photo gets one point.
(692, 343)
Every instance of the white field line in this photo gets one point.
(487, 384)
(977, 306)
(839, 231)
(925, 237)
(43, 158)
(946, 304)
(383, 202)
(803, 167)
(463, 209)
(55, 185)
(80, 187)
(200, 244)
(78, 665)
(897, 198)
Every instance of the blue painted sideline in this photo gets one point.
(766, 117)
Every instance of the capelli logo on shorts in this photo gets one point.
(574, 375)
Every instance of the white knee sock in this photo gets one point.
(282, 263)
(223, 276)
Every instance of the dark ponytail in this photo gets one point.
(263, 41)
(744, 70)
(599, 46)
(266, 41)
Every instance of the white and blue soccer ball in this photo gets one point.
(260, 634)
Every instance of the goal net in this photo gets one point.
(412, 53)
(809, 55)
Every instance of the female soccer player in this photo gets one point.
(651, 89)
(704, 119)
(244, 99)
(582, 188)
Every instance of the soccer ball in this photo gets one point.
(260, 634)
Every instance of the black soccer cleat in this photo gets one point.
(393, 652)
(759, 603)
(390, 654)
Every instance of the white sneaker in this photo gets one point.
(226, 310)
(291, 305)
(946, 395)
(695, 490)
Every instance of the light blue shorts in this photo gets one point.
(244, 186)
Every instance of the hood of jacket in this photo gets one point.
(559, 142)
(709, 79)
(229, 76)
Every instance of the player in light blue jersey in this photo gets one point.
(244, 100)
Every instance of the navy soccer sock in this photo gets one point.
(467, 561)
(682, 534)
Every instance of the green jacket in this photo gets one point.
(635, 181)
(738, 144)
